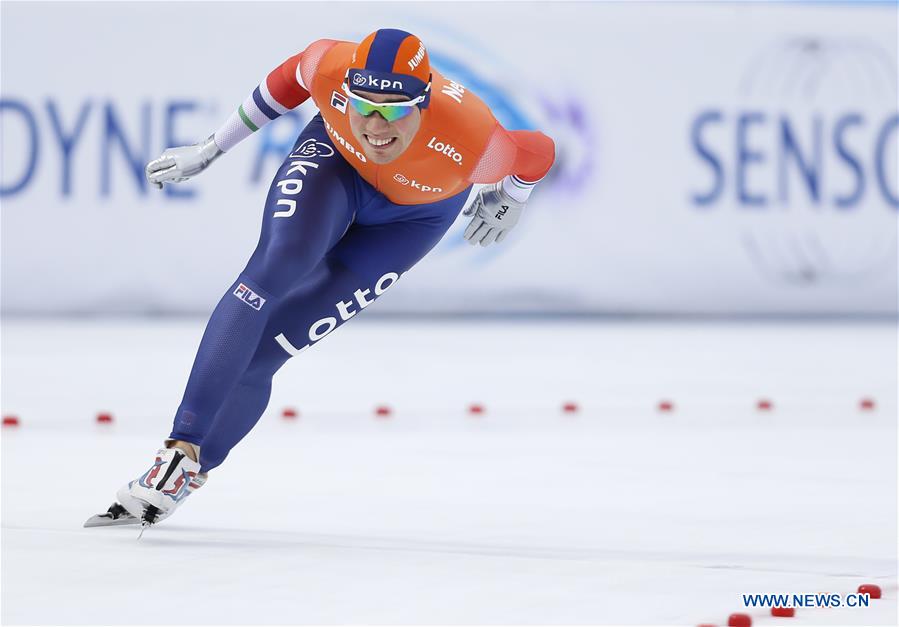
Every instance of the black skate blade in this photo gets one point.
(148, 519)
(116, 515)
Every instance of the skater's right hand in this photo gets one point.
(179, 164)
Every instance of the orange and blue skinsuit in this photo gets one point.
(338, 230)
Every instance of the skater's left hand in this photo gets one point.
(495, 213)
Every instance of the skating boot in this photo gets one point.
(156, 494)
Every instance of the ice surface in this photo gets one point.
(618, 514)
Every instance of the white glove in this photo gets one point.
(495, 213)
(179, 164)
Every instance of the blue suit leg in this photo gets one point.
(366, 262)
(309, 207)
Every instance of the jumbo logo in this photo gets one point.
(414, 61)
(346, 309)
(340, 140)
(250, 297)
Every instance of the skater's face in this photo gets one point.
(384, 141)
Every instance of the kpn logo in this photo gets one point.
(402, 180)
(805, 160)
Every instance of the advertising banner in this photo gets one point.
(710, 158)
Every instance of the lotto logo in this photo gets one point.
(445, 149)
(346, 309)
(250, 297)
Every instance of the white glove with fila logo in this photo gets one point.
(181, 163)
(495, 213)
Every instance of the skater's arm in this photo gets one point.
(523, 155)
(283, 89)
(278, 93)
(286, 87)
(514, 161)
(534, 155)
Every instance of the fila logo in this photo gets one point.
(250, 297)
(339, 102)
(402, 180)
(502, 212)
(445, 149)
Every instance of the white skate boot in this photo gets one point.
(157, 493)
(154, 495)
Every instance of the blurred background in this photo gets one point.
(708, 276)
(713, 158)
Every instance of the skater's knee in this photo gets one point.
(279, 266)
(259, 376)
(266, 361)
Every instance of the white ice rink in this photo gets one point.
(618, 514)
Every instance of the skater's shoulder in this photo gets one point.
(327, 57)
(457, 113)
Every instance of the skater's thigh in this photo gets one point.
(369, 252)
(363, 265)
(309, 206)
